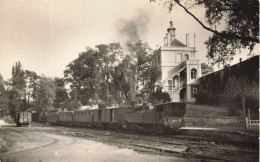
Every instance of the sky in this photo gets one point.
(46, 35)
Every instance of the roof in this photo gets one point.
(174, 71)
(53, 110)
(176, 42)
(32, 109)
(88, 107)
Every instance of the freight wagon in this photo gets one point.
(23, 118)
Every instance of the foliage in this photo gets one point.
(45, 94)
(147, 75)
(159, 96)
(16, 90)
(124, 80)
(18, 80)
(3, 98)
(90, 75)
(105, 75)
(205, 68)
(61, 94)
(31, 79)
(71, 104)
(227, 87)
(153, 75)
(224, 80)
(239, 18)
(142, 52)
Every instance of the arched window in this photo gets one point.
(193, 73)
(169, 84)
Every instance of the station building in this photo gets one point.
(179, 67)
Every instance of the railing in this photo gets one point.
(173, 71)
(171, 90)
(252, 125)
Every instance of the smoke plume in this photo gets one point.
(135, 28)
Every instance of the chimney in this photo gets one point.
(187, 40)
(168, 39)
(240, 60)
(165, 41)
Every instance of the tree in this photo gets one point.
(91, 73)
(16, 90)
(124, 81)
(109, 56)
(45, 94)
(82, 74)
(18, 77)
(241, 25)
(142, 53)
(61, 94)
(153, 75)
(31, 79)
(205, 68)
(71, 104)
(158, 96)
(3, 98)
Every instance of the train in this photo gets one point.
(157, 118)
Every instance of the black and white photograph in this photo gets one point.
(129, 80)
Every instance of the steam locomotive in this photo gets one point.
(159, 118)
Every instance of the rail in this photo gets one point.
(252, 125)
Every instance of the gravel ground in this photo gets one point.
(38, 144)
(50, 143)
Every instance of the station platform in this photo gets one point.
(222, 135)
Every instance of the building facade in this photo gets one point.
(179, 67)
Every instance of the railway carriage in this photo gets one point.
(53, 117)
(84, 117)
(66, 117)
(113, 117)
(161, 117)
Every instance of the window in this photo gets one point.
(193, 73)
(169, 84)
(178, 57)
(186, 56)
(175, 82)
(194, 90)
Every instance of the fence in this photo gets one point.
(252, 125)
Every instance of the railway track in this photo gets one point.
(167, 145)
